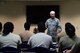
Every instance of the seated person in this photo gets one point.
(26, 34)
(40, 39)
(75, 48)
(68, 41)
(0, 27)
(35, 30)
(9, 39)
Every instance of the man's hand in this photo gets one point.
(68, 51)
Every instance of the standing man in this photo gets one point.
(53, 25)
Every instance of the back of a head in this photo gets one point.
(27, 26)
(70, 29)
(0, 26)
(41, 27)
(8, 27)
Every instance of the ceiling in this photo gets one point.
(31, 0)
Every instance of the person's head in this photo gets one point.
(27, 26)
(41, 27)
(70, 29)
(52, 14)
(8, 27)
(0, 26)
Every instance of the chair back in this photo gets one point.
(24, 46)
(9, 50)
(40, 50)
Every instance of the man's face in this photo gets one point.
(52, 15)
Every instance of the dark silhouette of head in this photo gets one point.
(41, 27)
(27, 26)
(70, 29)
(8, 27)
(0, 26)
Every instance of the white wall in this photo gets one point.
(13, 12)
(70, 12)
(16, 13)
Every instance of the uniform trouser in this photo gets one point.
(54, 39)
(53, 35)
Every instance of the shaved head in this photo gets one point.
(52, 14)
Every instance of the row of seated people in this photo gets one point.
(39, 40)
(10, 40)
